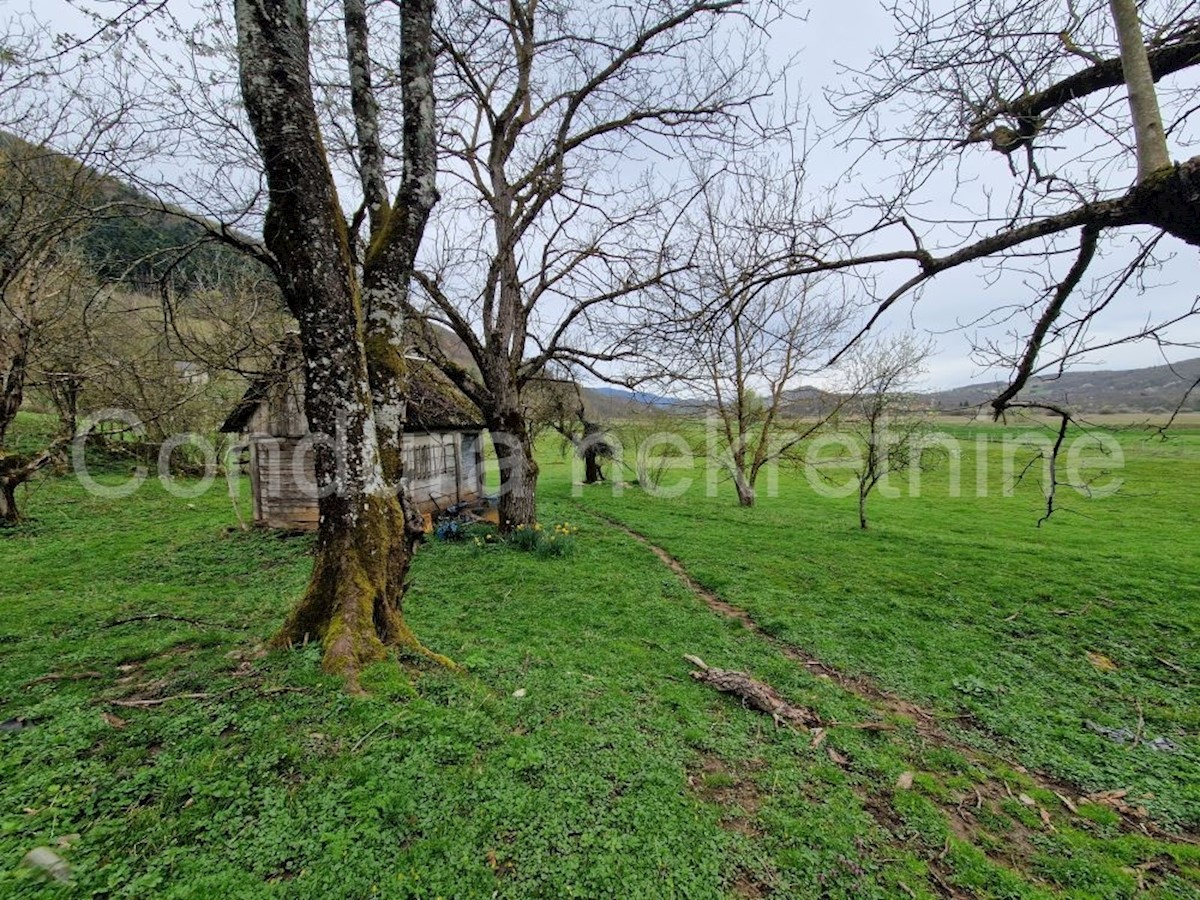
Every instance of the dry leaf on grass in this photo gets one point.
(1101, 662)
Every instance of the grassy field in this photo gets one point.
(576, 757)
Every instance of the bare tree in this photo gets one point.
(726, 332)
(1071, 98)
(557, 112)
(558, 404)
(882, 412)
(37, 317)
(45, 198)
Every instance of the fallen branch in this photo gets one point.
(64, 676)
(756, 694)
(1174, 667)
(144, 704)
(863, 726)
(362, 740)
(150, 617)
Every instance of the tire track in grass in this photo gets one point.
(993, 792)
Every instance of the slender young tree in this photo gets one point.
(729, 333)
(882, 412)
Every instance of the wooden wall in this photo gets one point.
(283, 479)
(437, 475)
(283, 483)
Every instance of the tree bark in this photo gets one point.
(9, 514)
(12, 385)
(353, 600)
(64, 389)
(518, 469)
(592, 473)
(1152, 154)
(745, 490)
(395, 229)
(595, 447)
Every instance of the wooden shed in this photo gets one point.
(443, 444)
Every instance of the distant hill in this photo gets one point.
(129, 238)
(1156, 389)
(638, 398)
(1151, 390)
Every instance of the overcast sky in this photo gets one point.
(845, 32)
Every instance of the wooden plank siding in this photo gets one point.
(283, 478)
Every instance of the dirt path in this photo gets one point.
(993, 792)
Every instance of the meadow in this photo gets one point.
(973, 675)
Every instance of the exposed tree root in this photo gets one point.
(353, 601)
(159, 701)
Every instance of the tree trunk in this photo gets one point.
(742, 482)
(351, 604)
(12, 385)
(65, 392)
(518, 470)
(1152, 153)
(353, 601)
(9, 515)
(862, 509)
(593, 443)
(15, 470)
(745, 490)
(395, 230)
(592, 473)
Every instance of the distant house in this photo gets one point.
(443, 447)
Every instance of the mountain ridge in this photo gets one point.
(1149, 389)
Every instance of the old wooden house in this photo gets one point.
(443, 446)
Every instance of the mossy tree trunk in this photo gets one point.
(395, 228)
(353, 603)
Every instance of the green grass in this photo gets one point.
(965, 604)
(616, 774)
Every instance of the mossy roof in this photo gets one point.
(434, 403)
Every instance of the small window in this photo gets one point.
(420, 462)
